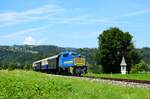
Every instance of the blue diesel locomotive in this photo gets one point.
(63, 63)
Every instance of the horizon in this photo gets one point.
(63, 46)
(75, 24)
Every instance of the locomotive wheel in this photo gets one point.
(75, 73)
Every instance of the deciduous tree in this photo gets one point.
(113, 45)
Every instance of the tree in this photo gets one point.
(27, 67)
(113, 45)
(11, 66)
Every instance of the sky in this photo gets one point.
(72, 23)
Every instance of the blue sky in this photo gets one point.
(72, 23)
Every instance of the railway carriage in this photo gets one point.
(64, 63)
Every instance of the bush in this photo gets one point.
(27, 67)
(11, 67)
(140, 67)
(95, 68)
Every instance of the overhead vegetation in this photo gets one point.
(113, 45)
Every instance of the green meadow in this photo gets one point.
(20, 84)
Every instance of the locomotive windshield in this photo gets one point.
(73, 54)
(65, 55)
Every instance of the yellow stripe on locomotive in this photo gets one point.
(79, 61)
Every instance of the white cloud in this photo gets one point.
(114, 19)
(50, 13)
(58, 14)
(29, 41)
(140, 12)
(44, 12)
(23, 32)
(130, 14)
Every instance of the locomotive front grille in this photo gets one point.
(79, 61)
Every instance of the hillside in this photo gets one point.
(24, 55)
(145, 54)
(28, 84)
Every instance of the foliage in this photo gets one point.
(27, 67)
(145, 54)
(88, 53)
(32, 85)
(140, 67)
(113, 45)
(11, 66)
(95, 68)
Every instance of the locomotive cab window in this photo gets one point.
(80, 56)
(73, 54)
(65, 55)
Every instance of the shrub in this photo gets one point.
(27, 67)
(95, 68)
(11, 66)
(140, 67)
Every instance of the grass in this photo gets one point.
(127, 76)
(28, 84)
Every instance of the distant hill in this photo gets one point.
(145, 54)
(21, 55)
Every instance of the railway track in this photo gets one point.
(122, 80)
(114, 81)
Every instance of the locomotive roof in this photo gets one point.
(67, 53)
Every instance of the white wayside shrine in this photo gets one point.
(123, 66)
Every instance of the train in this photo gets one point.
(66, 63)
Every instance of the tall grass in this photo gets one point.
(32, 85)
